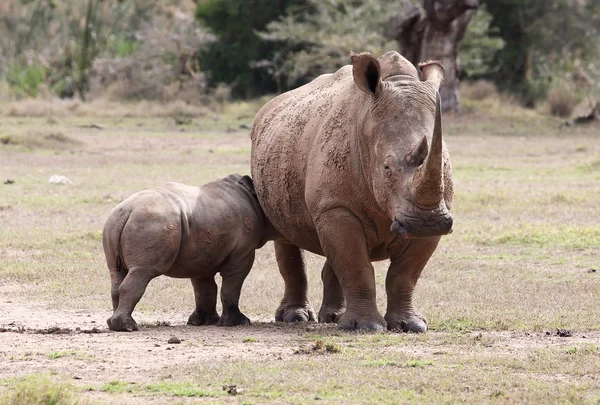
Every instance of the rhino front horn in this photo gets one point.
(428, 185)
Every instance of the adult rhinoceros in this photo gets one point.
(342, 168)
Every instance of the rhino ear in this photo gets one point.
(248, 184)
(367, 73)
(433, 72)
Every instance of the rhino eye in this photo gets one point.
(386, 166)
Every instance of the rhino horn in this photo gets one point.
(428, 185)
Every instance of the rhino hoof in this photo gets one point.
(233, 320)
(304, 314)
(413, 325)
(330, 315)
(122, 324)
(352, 323)
(198, 318)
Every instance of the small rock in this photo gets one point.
(156, 345)
(244, 126)
(9, 181)
(592, 270)
(174, 340)
(564, 332)
(548, 333)
(56, 179)
(231, 389)
(169, 348)
(76, 377)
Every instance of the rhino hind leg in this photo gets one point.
(294, 306)
(117, 275)
(234, 275)
(334, 304)
(130, 292)
(205, 294)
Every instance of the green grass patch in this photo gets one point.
(57, 354)
(39, 390)
(179, 389)
(563, 236)
(249, 339)
(175, 388)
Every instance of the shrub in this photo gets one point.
(561, 100)
(478, 90)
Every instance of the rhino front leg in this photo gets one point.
(342, 238)
(205, 295)
(403, 274)
(334, 303)
(233, 279)
(294, 306)
(130, 292)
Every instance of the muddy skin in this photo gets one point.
(352, 166)
(185, 232)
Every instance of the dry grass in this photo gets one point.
(99, 108)
(519, 262)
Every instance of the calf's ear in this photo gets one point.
(248, 184)
(367, 73)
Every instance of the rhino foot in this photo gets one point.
(123, 323)
(199, 318)
(412, 324)
(233, 318)
(329, 315)
(295, 314)
(352, 321)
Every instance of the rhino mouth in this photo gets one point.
(415, 228)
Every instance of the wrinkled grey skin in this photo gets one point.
(185, 232)
(342, 167)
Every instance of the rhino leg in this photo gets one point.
(130, 292)
(334, 303)
(294, 306)
(233, 279)
(117, 275)
(342, 237)
(403, 274)
(205, 295)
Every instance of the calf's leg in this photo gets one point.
(205, 294)
(234, 275)
(130, 292)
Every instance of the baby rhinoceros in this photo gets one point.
(185, 232)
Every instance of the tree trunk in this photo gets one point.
(435, 35)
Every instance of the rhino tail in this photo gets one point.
(111, 241)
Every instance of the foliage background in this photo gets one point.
(185, 49)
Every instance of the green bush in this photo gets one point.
(25, 81)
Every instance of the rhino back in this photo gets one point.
(220, 220)
(303, 127)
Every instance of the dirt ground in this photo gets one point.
(91, 355)
(518, 266)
